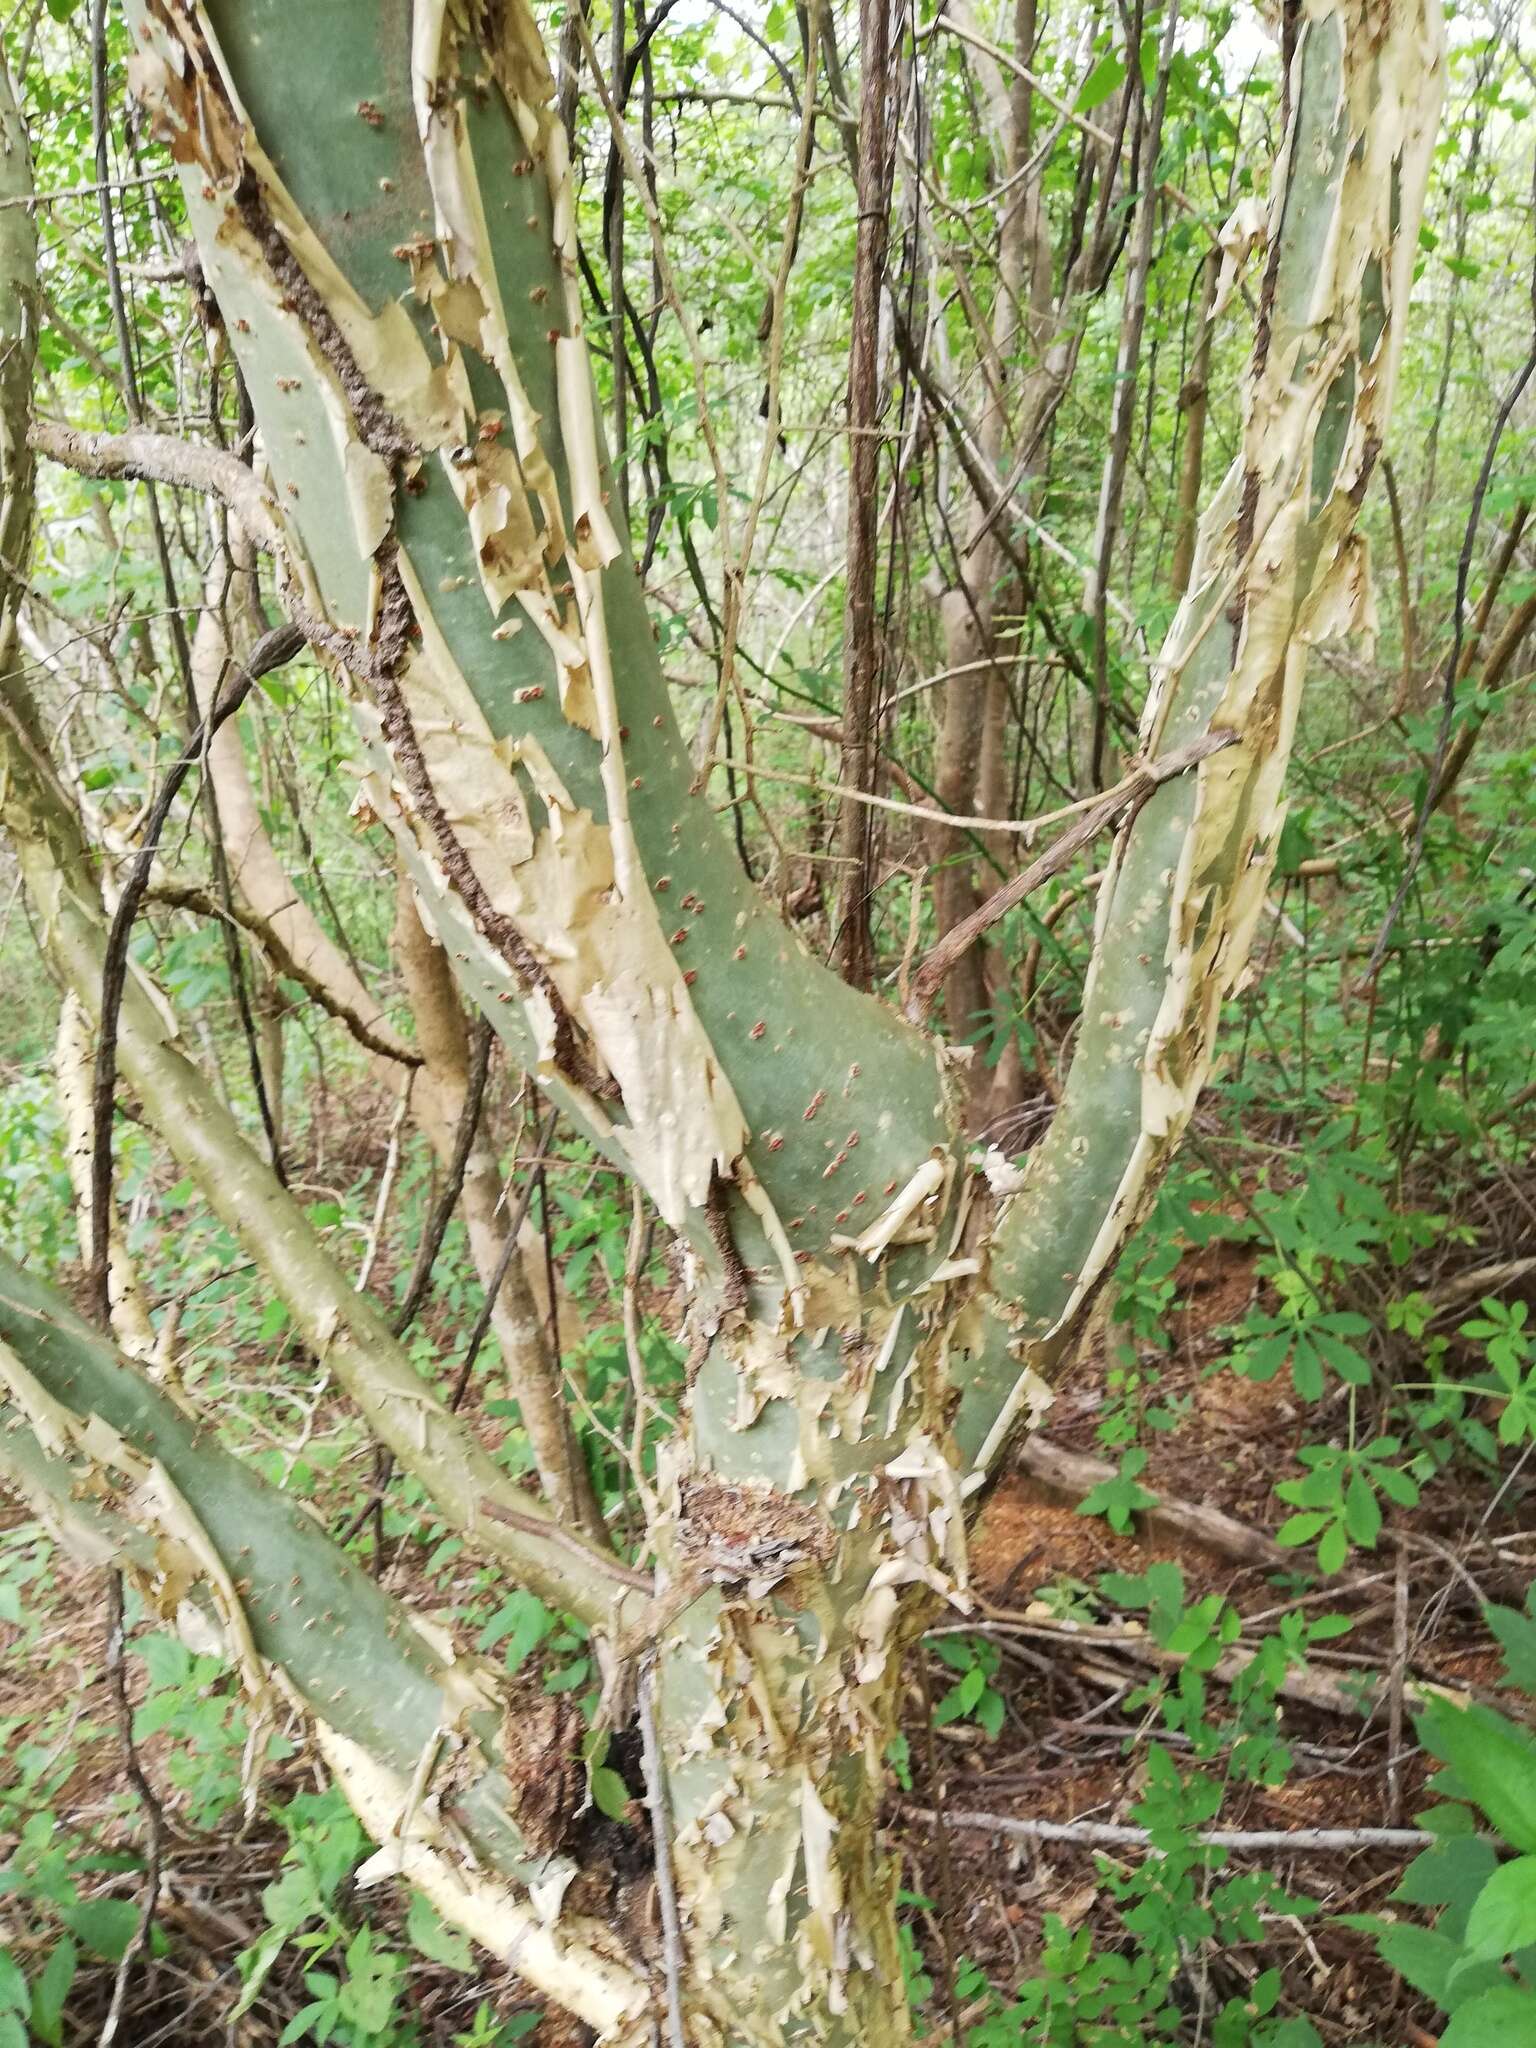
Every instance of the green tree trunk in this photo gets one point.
(383, 201)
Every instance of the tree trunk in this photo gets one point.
(382, 197)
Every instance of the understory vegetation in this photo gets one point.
(1225, 1733)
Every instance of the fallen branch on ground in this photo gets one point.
(1072, 1474)
(1103, 1834)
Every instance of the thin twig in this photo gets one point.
(31, 199)
(188, 896)
(145, 1793)
(661, 1839)
(463, 1142)
(1432, 782)
(540, 1525)
(271, 651)
(386, 1192)
(508, 1252)
(1127, 796)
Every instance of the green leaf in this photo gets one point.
(1451, 1873)
(610, 1795)
(319, 2018)
(1101, 81)
(1517, 1633)
(14, 1995)
(1497, 2019)
(1362, 1512)
(524, 1621)
(51, 1990)
(1328, 1626)
(104, 1926)
(1426, 1959)
(1494, 1762)
(1503, 1915)
(990, 1713)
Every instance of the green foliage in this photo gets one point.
(973, 1696)
(1477, 1961)
(1177, 1905)
(1120, 1499)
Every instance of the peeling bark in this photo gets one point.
(866, 1326)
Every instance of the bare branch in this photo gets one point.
(1127, 796)
(142, 456)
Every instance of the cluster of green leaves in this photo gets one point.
(76, 1902)
(1176, 1906)
(1477, 1961)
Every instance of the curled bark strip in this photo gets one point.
(571, 1056)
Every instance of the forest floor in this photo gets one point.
(1061, 1754)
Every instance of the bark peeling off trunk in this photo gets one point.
(345, 1330)
(408, 316)
(1278, 565)
(384, 207)
(418, 1737)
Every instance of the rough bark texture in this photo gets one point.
(867, 1325)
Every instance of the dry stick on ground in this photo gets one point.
(854, 952)
(1127, 797)
(1072, 1474)
(1481, 1280)
(1101, 1834)
(270, 652)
